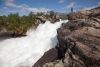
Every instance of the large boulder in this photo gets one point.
(79, 41)
(42, 18)
(52, 19)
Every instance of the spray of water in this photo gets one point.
(26, 51)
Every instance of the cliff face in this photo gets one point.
(79, 40)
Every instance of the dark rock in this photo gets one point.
(8, 35)
(5, 35)
(18, 34)
(48, 56)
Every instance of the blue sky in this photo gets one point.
(23, 7)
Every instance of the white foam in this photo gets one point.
(26, 51)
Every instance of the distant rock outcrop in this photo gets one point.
(84, 14)
(43, 18)
(79, 40)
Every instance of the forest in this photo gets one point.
(15, 22)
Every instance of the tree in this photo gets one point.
(14, 20)
(51, 13)
(40, 14)
(31, 17)
(3, 21)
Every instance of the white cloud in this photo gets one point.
(99, 3)
(24, 7)
(21, 6)
(71, 5)
(63, 11)
(7, 9)
(88, 8)
(61, 1)
(38, 10)
(10, 11)
(10, 3)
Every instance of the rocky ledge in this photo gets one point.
(79, 40)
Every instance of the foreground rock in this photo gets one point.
(79, 40)
(48, 56)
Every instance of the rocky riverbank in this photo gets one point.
(79, 41)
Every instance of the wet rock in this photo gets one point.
(5, 35)
(48, 56)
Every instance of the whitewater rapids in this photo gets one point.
(26, 51)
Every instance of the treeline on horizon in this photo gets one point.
(14, 22)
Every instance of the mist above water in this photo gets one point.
(26, 51)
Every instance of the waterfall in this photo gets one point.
(26, 51)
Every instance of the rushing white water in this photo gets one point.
(25, 51)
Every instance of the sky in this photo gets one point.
(24, 7)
